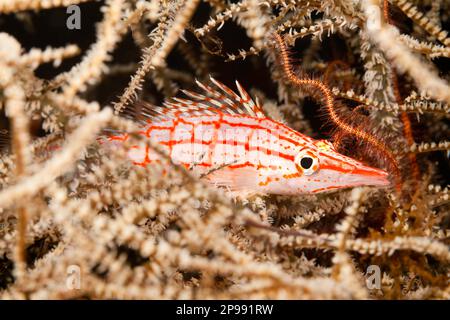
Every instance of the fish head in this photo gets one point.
(320, 168)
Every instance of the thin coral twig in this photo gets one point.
(407, 129)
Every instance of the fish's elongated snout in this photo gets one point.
(347, 172)
(363, 175)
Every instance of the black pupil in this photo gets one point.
(306, 162)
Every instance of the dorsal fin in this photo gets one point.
(141, 112)
(211, 100)
(224, 100)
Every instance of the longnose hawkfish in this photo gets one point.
(228, 140)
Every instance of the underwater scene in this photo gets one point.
(225, 149)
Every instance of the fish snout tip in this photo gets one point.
(374, 176)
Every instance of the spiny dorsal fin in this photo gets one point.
(225, 100)
(141, 112)
(210, 101)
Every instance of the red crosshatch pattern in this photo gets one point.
(228, 139)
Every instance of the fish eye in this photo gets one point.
(307, 163)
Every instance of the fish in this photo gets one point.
(226, 139)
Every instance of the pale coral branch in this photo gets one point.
(439, 195)
(343, 268)
(135, 83)
(221, 18)
(15, 109)
(234, 9)
(377, 247)
(60, 163)
(20, 129)
(385, 37)
(318, 28)
(347, 226)
(174, 33)
(410, 105)
(418, 17)
(430, 49)
(36, 57)
(430, 147)
(10, 6)
(93, 65)
(255, 20)
(76, 103)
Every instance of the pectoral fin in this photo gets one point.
(239, 181)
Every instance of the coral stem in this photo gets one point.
(407, 129)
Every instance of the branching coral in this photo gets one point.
(79, 220)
